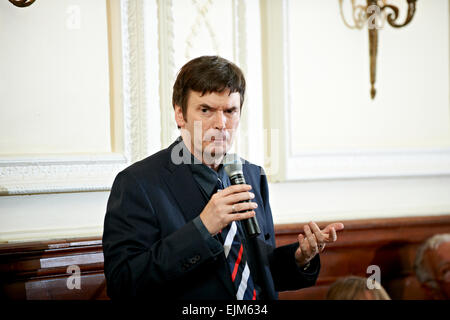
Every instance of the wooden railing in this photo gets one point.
(390, 244)
(39, 270)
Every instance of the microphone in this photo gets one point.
(233, 167)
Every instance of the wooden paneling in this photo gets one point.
(390, 244)
(38, 270)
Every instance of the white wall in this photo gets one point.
(44, 216)
(344, 155)
(62, 121)
(339, 155)
(54, 83)
(347, 199)
(331, 109)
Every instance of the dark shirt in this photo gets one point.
(206, 178)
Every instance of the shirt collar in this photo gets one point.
(205, 176)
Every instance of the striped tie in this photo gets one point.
(237, 261)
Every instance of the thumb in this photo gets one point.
(300, 240)
(298, 252)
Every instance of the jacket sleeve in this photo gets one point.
(136, 258)
(285, 272)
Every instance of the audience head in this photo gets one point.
(432, 266)
(355, 288)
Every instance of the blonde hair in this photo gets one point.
(354, 288)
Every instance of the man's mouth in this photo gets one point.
(218, 139)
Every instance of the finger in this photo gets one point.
(300, 238)
(311, 239)
(238, 197)
(243, 206)
(336, 225)
(235, 189)
(319, 235)
(333, 235)
(304, 246)
(240, 216)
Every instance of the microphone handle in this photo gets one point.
(251, 226)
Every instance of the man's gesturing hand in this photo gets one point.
(315, 241)
(221, 208)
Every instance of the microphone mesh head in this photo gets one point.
(232, 164)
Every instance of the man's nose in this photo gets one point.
(220, 120)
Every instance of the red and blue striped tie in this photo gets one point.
(237, 260)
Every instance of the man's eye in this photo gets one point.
(204, 110)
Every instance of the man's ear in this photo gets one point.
(179, 118)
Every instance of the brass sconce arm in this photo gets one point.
(393, 16)
(375, 13)
(22, 3)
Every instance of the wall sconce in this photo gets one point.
(22, 3)
(376, 13)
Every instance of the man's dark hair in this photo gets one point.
(207, 74)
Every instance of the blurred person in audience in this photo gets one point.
(355, 288)
(432, 266)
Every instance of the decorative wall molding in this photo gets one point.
(200, 20)
(166, 70)
(54, 233)
(167, 55)
(94, 172)
(134, 79)
(240, 57)
(62, 173)
(275, 86)
(368, 164)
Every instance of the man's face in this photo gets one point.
(210, 124)
(438, 263)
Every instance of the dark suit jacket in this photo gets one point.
(152, 248)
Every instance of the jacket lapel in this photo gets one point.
(186, 192)
(181, 183)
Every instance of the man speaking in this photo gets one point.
(174, 223)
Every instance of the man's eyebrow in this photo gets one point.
(204, 105)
